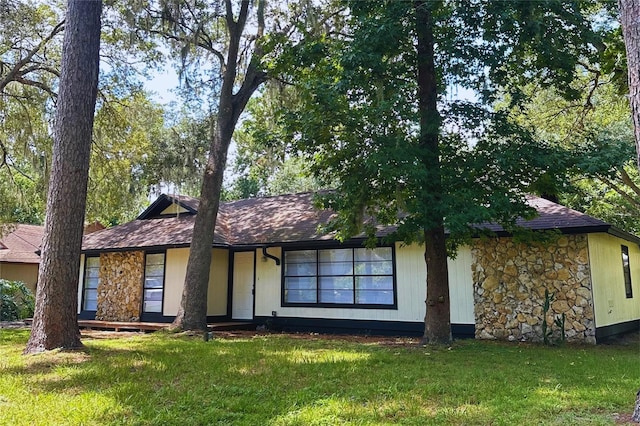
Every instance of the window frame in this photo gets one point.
(353, 275)
(143, 312)
(84, 284)
(626, 271)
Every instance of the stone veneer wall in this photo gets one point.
(120, 288)
(509, 280)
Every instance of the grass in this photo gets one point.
(160, 379)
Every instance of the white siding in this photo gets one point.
(411, 275)
(611, 305)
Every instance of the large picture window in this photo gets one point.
(90, 285)
(626, 269)
(153, 283)
(345, 276)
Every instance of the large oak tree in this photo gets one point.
(382, 116)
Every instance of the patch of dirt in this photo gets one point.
(623, 419)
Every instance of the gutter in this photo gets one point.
(270, 256)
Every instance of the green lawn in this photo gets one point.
(160, 379)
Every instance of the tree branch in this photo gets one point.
(620, 191)
(626, 179)
(11, 76)
(33, 83)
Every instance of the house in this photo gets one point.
(271, 264)
(19, 253)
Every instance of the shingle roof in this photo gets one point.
(554, 216)
(289, 219)
(279, 219)
(21, 244)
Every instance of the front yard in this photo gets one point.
(153, 379)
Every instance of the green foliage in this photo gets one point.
(16, 301)
(292, 380)
(558, 321)
(134, 149)
(266, 163)
(596, 132)
(546, 332)
(359, 123)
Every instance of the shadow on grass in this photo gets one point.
(281, 381)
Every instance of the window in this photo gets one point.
(90, 285)
(346, 276)
(153, 283)
(626, 269)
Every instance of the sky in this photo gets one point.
(162, 85)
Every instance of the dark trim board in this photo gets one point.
(155, 317)
(609, 331)
(212, 319)
(87, 315)
(368, 327)
(169, 318)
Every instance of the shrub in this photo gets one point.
(16, 301)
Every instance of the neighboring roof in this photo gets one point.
(21, 244)
(93, 227)
(287, 219)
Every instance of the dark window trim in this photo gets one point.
(151, 315)
(284, 303)
(626, 271)
(84, 282)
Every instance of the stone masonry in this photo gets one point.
(509, 281)
(120, 288)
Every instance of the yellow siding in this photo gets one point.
(218, 283)
(411, 275)
(174, 209)
(461, 288)
(610, 302)
(25, 272)
(175, 272)
(267, 286)
(80, 282)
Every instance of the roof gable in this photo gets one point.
(162, 206)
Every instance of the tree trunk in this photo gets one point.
(192, 314)
(437, 327)
(630, 20)
(55, 322)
